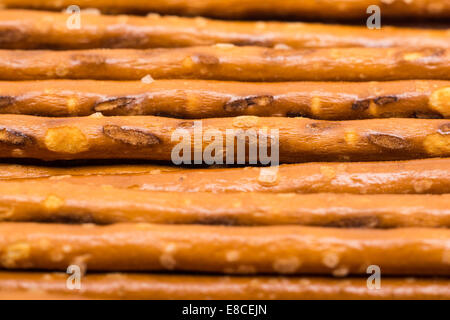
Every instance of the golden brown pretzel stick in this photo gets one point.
(335, 9)
(230, 63)
(48, 201)
(156, 138)
(387, 177)
(16, 171)
(430, 176)
(208, 99)
(180, 287)
(22, 29)
(224, 249)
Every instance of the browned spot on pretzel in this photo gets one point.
(388, 141)
(356, 222)
(244, 103)
(444, 129)
(361, 105)
(381, 101)
(422, 115)
(207, 59)
(254, 42)
(6, 101)
(114, 103)
(12, 137)
(88, 59)
(185, 124)
(10, 35)
(132, 136)
(326, 125)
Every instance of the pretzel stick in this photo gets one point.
(48, 201)
(15, 171)
(230, 63)
(429, 176)
(154, 138)
(208, 99)
(22, 29)
(224, 249)
(412, 177)
(232, 9)
(342, 9)
(181, 287)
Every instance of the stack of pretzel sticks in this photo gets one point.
(118, 87)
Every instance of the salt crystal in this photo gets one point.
(147, 79)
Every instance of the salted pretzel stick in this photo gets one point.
(48, 201)
(224, 249)
(430, 176)
(208, 99)
(22, 29)
(156, 138)
(388, 177)
(181, 287)
(15, 171)
(232, 9)
(230, 63)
